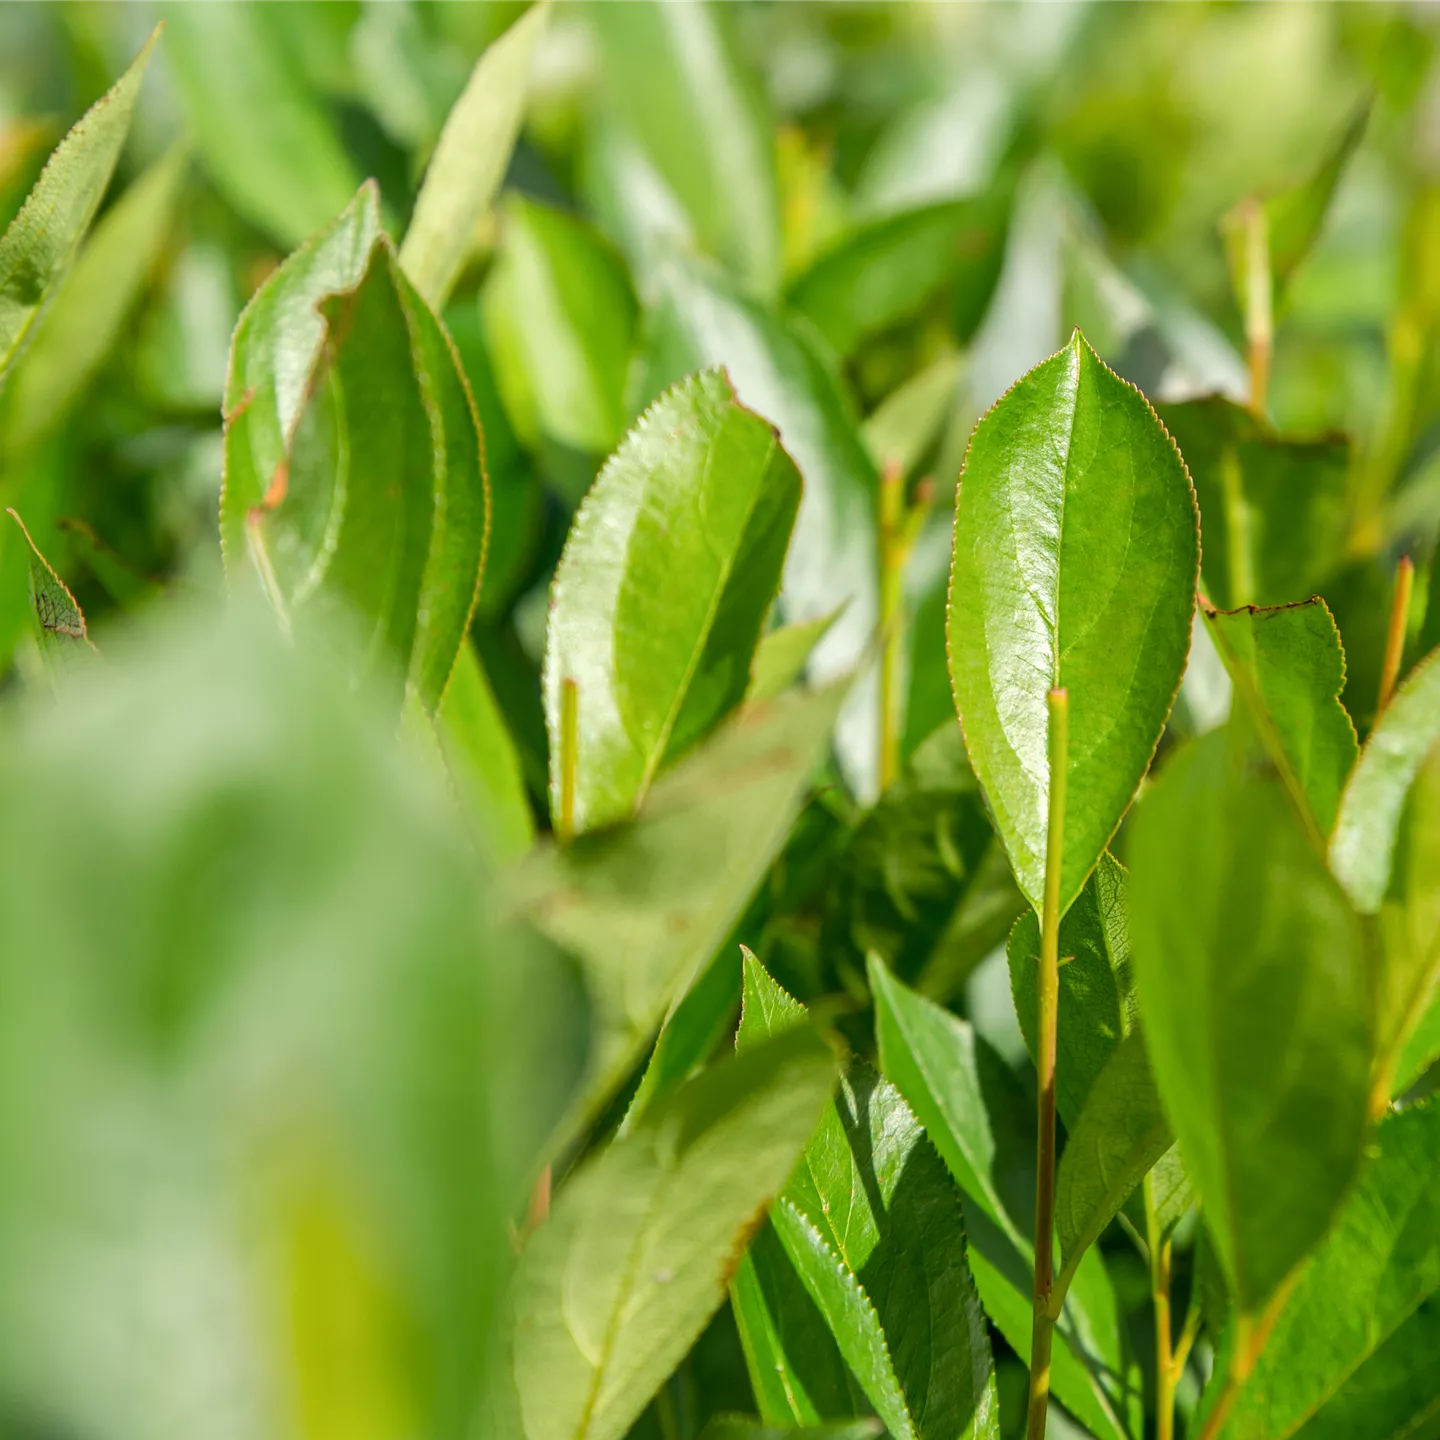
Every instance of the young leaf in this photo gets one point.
(893, 268)
(1288, 667)
(1076, 556)
(1380, 1263)
(59, 625)
(560, 312)
(645, 905)
(91, 301)
(903, 427)
(781, 656)
(658, 600)
(266, 140)
(37, 246)
(469, 160)
(1386, 853)
(634, 1259)
(675, 78)
(1250, 968)
(874, 1230)
(1097, 993)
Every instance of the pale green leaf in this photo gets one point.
(1076, 556)
(782, 654)
(909, 420)
(658, 600)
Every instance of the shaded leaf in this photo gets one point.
(657, 603)
(1076, 555)
(59, 625)
(39, 242)
(1250, 968)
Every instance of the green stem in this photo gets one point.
(1259, 303)
(1047, 1016)
(569, 754)
(892, 581)
(1166, 1376)
(1395, 635)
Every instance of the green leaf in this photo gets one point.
(561, 314)
(968, 1103)
(267, 141)
(701, 320)
(1097, 991)
(675, 77)
(618, 1283)
(1120, 1134)
(645, 905)
(470, 160)
(874, 1229)
(1379, 1264)
(894, 268)
(659, 598)
(904, 426)
(1273, 509)
(353, 476)
(89, 304)
(1250, 967)
(1386, 853)
(484, 767)
(740, 1427)
(782, 654)
(1076, 556)
(38, 245)
(59, 625)
(1288, 667)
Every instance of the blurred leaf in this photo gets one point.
(908, 421)
(700, 320)
(674, 75)
(279, 1023)
(892, 270)
(58, 623)
(657, 604)
(874, 1229)
(782, 655)
(1379, 1264)
(739, 1427)
(644, 905)
(406, 79)
(560, 313)
(1386, 853)
(1272, 510)
(470, 160)
(619, 1281)
(38, 245)
(1098, 1008)
(90, 303)
(1076, 555)
(483, 765)
(268, 142)
(1289, 668)
(1251, 968)
(1120, 1133)
(963, 1096)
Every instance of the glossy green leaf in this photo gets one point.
(58, 623)
(470, 160)
(1250, 967)
(1272, 509)
(484, 768)
(894, 268)
(1380, 1263)
(1076, 556)
(269, 145)
(702, 320)
(89, 304)
(1098, 1008)
(1288, 667)
(659, 598)
(1121, 1132)
(874, 1230)
(635, 1256)
(40, 241)
(675, 77)
(561, 315)
(1386, 852)
(644, 906)
(782, 655)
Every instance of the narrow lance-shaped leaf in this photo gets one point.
(1250, 968)
(470, 159)
(633, 1260)
(1076, 556)
(44, 235)
(59, 624)
(659, 597)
